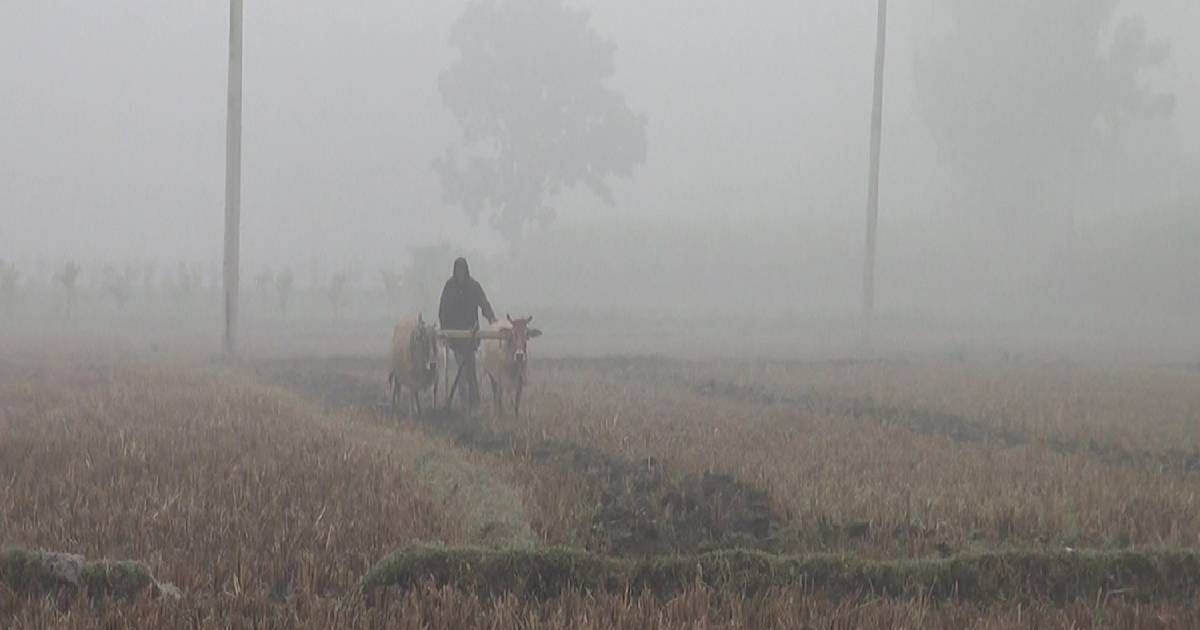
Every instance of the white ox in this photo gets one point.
(506, 360)
(414, 362)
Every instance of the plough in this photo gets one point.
(451, 335)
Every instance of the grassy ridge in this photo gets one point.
(986, 577)
(37, 573)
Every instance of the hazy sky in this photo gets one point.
(112, 120)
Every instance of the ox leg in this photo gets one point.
(445, 372)
(393, 386)
(497, 396)
(454, 386)
(417, 401)
(517, 402)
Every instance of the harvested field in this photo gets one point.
(639, 492)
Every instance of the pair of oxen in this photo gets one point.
(415, 352)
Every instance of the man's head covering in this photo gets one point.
(460, 264)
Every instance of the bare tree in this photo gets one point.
(67, 277)
(119, 285)
(338, 293)
(149, 277)
(43, 276)
(430, 267)
(214, 285)
(283, 289)
(393, 285)
(316, 273)
(263, 282)
(10, 288)
(186, 286)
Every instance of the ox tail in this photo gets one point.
(394, 391)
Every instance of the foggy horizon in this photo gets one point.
(756, 153)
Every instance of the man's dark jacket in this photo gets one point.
(462, 299)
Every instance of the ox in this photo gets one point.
(505, 361)
(414, 362)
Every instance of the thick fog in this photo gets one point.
(1039, 171)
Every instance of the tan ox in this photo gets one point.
(414, 362)
(505, 362)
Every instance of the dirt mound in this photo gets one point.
(643, 509)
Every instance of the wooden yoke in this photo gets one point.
(476, 334)
(446, 335)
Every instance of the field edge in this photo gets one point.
(1059, 576)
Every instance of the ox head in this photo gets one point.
(521, 334)
(423, 345)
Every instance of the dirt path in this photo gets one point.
(492, 508)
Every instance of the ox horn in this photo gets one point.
(508, 317)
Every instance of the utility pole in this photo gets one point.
(233, 177)
(873, 177)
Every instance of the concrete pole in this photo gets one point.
(873, 177)
(233, 178)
